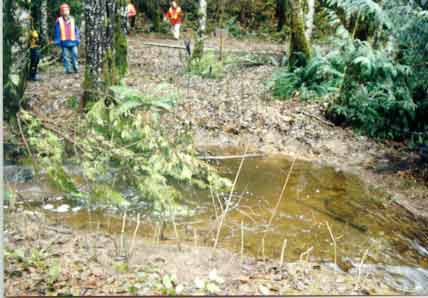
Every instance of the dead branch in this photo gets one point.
(317, 118)
(224, 157)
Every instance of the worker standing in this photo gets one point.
(34, 55)
(175, 17)
(132, 14)
(67, 36)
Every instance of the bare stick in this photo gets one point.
(359, 268)
(284, 246)
(281, 195)
(306, 253)
(334, 243)
(318, 118)
(263, 249)
(135, 234)
(230, 197)
(214, 204)
(242, 241)
(155, 233)
(24, 140)
(225, 157)
(195, 237)
(122, 232)
(275, 210)
(176, 234)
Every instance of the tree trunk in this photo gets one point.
(300, 49)
(44, 33)
(200, 35)
(120, 40)
(310, 19)
(106, 47)
(280, 14)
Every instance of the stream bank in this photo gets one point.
(50, 259)
(225, 113)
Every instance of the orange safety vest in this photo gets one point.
(174, 14)
(67, 33)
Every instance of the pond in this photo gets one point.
(392, 242)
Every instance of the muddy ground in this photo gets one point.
(239, 108)
(234, 110)
(45, 258)
(226, 113)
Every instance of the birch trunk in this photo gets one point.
(310, 19)
(200, 35)
(44, 35)
(300, 49)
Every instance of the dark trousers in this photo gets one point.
(35, 58)
(132, 21)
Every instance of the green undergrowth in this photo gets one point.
(210, 66)
(377, 86)
(120, 144)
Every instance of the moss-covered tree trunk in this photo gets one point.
(106, 47)
(16, 26)
(309, 19)
(120, 40)
(200, 35)
(300, 49)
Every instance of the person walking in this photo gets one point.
(67, 37)
(132, 14)
(175, 17)
(34, 55)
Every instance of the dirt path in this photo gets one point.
(237, 109)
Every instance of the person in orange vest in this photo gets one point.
(67, 36)
(132, 13)
(175, 17)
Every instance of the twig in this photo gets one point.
(359, 268)
(317, 118)
(122, 232)
(24, 140)
(263, 249)
(230, 197)
(284, 246)
(195, 237)
(334, 243)
(242, 241)
(135, 234)
(275, 210)
(306, 253)
(176, 234)
(214, 204)
(225, 157)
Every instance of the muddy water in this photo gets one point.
(391, 240)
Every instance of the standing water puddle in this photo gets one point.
(394, 244)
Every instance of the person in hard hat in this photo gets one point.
(132, 14)
(34, 55)
(175, 17)
(67, 36)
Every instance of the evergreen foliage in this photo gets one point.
(123, 146)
